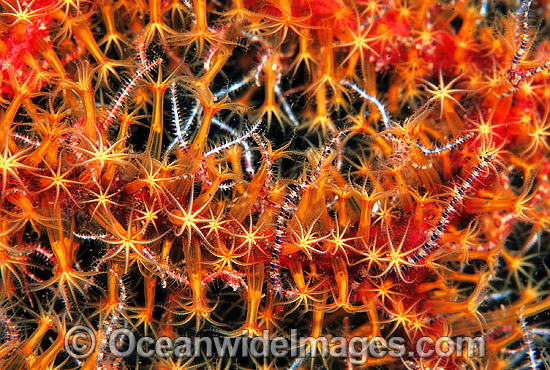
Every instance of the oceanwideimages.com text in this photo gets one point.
(80, 343)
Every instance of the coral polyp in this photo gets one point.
(360, 172)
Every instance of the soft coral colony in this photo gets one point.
(341, 168)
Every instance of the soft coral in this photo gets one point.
(23, 41)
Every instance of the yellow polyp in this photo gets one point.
(418, 217)
(198, 308)
(447, 166)
(109, 173)
(501, 107)
(91, 362)
(508, 316)
(526, 297)
(285, 5)
(422, 13)
(291, 248)
(150, 289)
(430, 178)
(317, 207)
(463, 277)
(533, 308)
(327, 54)
(304, 55)
(20, 32)
(316, 331)
(106, 219)
(33, 64)
(503, 317)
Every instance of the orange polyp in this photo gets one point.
(112, 299)
(7, 284)
(29, 213)
(21, 93)
(270, 74)
(86, 37)
(297, 272)
(197, 308)
(367, 204)
(49, 54)
(144, 315)
(83, 87)
(108, 15)
(154, 143)
(468, 307)
(209, 191)
(240, 211)
(45, 323)
(201, 25)
(233, 156)
(403, 188)
(209, 110)
(341, 277)
(317, 321)
(255, 277)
